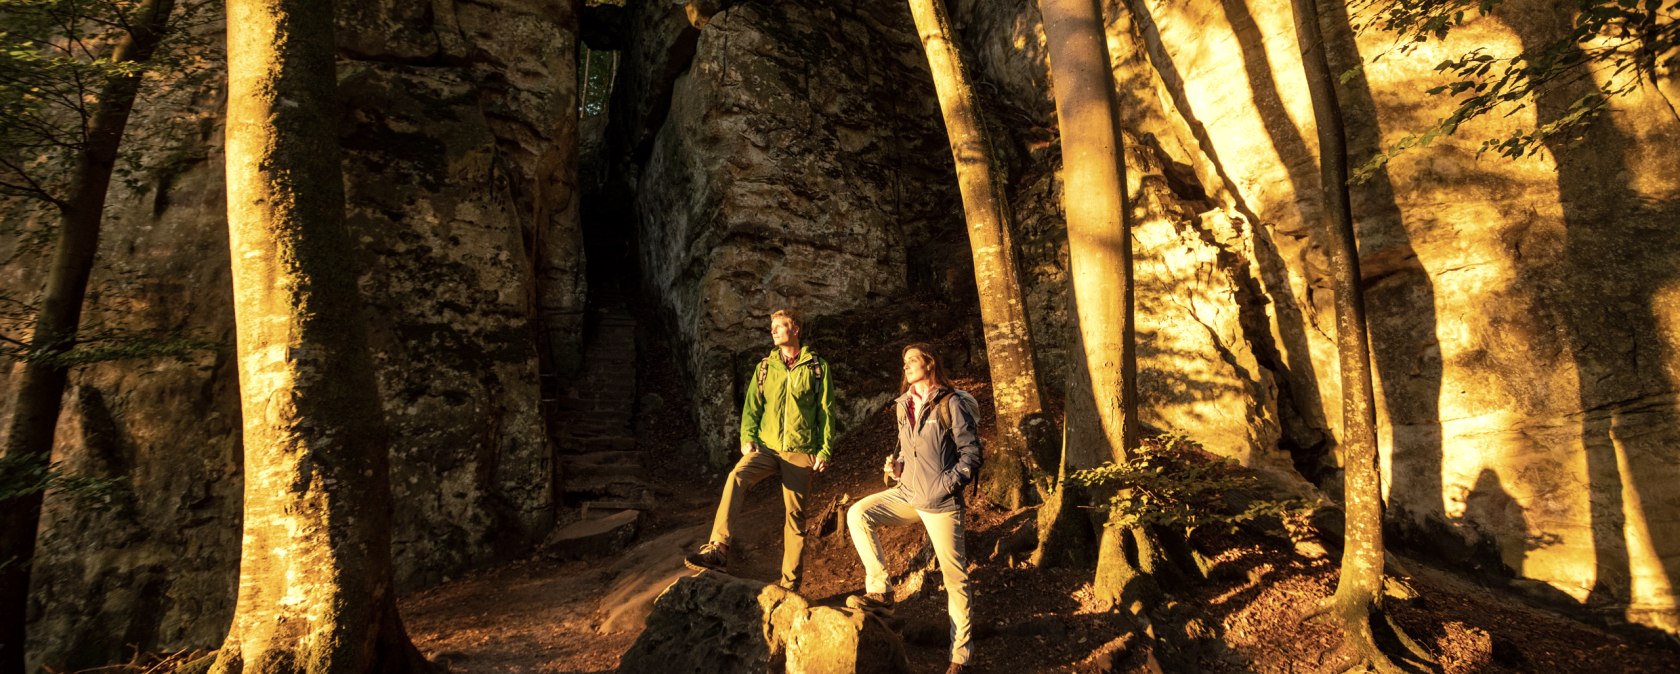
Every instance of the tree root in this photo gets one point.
(1359, 640)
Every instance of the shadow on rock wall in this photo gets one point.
(1301, 410)
(1612, 295)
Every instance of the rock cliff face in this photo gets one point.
(1527, 403)
(788, 168)
(458, 125)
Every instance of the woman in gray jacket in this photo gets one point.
(938, 454)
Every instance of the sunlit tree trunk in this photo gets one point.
(315, 568)
(1015, 389)
(1359, 590)
(40, 391)
(1104, 426)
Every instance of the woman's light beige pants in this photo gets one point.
(945, 530)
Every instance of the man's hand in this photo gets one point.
(749, 448)
(820, 465)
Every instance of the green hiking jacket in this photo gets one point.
(794, 410)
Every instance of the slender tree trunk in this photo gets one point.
(1104, 426)
(315, 569)
(1359, 590)
(1015, 388)
(41, 383)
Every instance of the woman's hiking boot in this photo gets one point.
(712, 556)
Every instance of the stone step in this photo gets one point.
(606, 458)
(605, 443)
(594, 537)
(595, 508)
(601, 474)
(619, 490)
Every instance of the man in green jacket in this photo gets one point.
(787, 425)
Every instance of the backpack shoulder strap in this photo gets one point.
(763, 371)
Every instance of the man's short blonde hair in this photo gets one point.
(790, 314)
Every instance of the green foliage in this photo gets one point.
(21, 476)
(104, 346)
(596, 70)
(1630, 43)
(1172, 482)
(56, 57)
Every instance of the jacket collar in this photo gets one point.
(934, 393)
(805, 355)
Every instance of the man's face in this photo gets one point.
(915, 366)
(783, 332)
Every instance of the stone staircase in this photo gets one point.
(600, 466)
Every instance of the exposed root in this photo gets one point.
(1413, 648)
(1359, 640)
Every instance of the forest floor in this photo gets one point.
(550, 616)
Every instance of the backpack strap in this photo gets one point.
(763, 371)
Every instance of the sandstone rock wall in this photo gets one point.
(1521, 312)
(1207, 362)
(789, 169)
(458, 124)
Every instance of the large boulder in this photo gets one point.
(715, 623)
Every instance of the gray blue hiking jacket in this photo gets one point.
(941, 451)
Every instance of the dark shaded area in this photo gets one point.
(1608, 313)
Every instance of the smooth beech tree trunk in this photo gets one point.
(1015, 388)
(315, 568)
(41, 383)
(1359, 590)
(1104, 425)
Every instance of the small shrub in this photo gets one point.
(1170, 481)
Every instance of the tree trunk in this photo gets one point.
(315, 568)
(40, 392)
(1015, 389)
(1359, 590)
(1102, 422)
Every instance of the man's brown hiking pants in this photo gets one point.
(795, 471)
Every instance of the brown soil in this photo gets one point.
(541, 615)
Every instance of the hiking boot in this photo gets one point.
(877, 603)
(789, 586)
(956, 668)
(713, 556)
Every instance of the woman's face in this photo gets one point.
(915, 366)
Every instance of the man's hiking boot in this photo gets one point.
(956, 668)
(713, 556)
(877, 603)
(790, 587)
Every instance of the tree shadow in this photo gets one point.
(1399, 295)
(1301, 410)
(1604, 294)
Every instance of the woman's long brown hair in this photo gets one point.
(930, 360)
